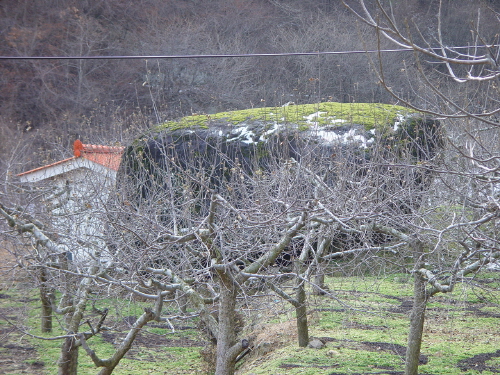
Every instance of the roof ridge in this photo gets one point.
(79, 148)
(102, 148)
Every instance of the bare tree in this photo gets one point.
(57, 227)
(175, 229)
(459, 85)
(210, 213)
(204, 217)
(222, 205)
(477, 64)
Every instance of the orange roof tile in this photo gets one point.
(107, 156)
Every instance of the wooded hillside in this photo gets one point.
(96, 100)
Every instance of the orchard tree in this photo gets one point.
(225, 207)
(460, 85)
(196, 210)
(55, 231)
(184, 229)
(201, 217)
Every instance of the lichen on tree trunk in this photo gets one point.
(68, 361)
(301, 315)
(417, 316)
(46, 321)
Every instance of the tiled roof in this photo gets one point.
(107, 156)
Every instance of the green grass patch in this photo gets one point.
(23, 307)
(367, 317)
(371, 310)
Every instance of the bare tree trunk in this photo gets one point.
(68, 360)
(227, 348)
(110, 364)
(417, 316)
(299, 302)
(319, 278)
(45, 291)
(301, 314)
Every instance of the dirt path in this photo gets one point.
(17, 356)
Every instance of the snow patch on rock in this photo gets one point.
(245, 135)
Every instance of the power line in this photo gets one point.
(212, 56)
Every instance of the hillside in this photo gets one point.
(101, 100)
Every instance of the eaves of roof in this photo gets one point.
(46, 166)
(106, 156)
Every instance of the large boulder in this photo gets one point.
(258, 139)
(184, 161)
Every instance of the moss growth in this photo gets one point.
(370, 115)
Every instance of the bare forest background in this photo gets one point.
(46, 104)
(191, 225)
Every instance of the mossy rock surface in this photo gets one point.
(327, 127)
(260, 139)
(174, 168)
(369, 115)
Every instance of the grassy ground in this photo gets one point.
(364, 323)
(366, 332)
(157, 350)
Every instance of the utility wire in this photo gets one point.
(210, 56)
(147, 57)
